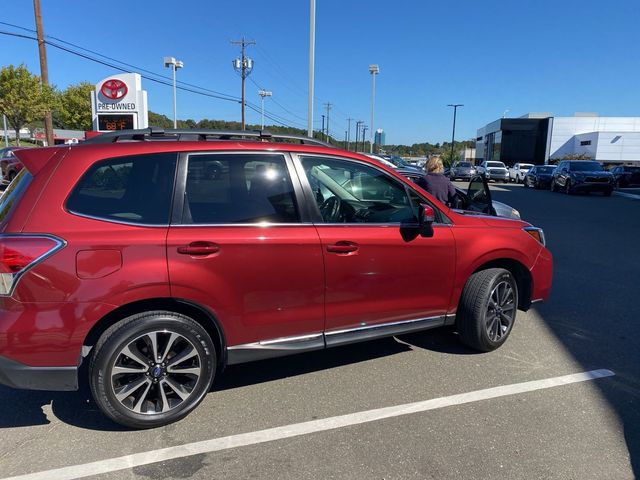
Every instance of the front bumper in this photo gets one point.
(498, 176)
(592, 187)
(17, 375)
(542, 276)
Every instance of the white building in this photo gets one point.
(540, 138)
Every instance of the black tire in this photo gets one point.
(567, 187)
(482, 326)
(518, 180)
(553, 186)
(167, 393)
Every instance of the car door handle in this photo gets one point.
(199, 249)
(342, 247)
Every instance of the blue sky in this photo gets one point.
(560, 56)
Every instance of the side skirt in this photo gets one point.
(279, 347)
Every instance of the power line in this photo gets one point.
(162, 80)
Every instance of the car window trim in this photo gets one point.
(309, 196)
(180, 189)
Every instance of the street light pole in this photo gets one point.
(312, 46)
(174, 64)
(373, 70)
(263, 93)
(453, 135)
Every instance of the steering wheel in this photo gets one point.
(331, 210)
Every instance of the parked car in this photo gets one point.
(539, 176)
(464, 199)
(130, 257)
(492, 170)
(625, 176)
(518, 171)
(399, 162)
(572, 176)
(462, 170)
(9, 164)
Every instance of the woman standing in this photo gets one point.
(436, 183)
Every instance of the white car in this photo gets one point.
(492, 170)
(518, 172)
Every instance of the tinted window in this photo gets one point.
(350, 192)
(223, 189)
(585, 167)
(495, 164)
(13, 193)
(136, 189)
(545, 169)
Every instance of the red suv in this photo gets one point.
(154, 259)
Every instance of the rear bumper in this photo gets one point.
(17, 375)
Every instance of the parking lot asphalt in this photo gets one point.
(587, 429)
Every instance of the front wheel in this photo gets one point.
(487, 309)
(152, 369)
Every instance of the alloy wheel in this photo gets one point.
(156, 372)
(500, 312)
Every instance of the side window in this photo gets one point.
(136, 189)
(226, 189)
(350, 192)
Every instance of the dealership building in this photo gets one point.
(541, 138)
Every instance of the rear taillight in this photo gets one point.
(18, 253)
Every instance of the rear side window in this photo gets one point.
(240, 188)
(136, 189)
(13, 193)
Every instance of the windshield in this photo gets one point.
(397, 161)
(632, 169)
(525, 166)
(464, 165)
(495, 164)
(585, 167)
(545, 169)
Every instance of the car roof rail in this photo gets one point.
(191, 135)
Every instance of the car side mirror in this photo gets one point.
(426, 218)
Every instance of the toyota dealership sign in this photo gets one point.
(119, 103)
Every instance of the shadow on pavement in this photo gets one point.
(594, 309)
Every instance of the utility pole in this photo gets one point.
(349, 132)
(244, 65)
(453, 135)
(44, 69)
(358, 123)
(328, 107)
(322, 127)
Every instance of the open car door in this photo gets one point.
(479, 196)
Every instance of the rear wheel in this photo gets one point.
(152, 369)
(487, 309)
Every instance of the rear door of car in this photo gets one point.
(240, 244)
(379, 271)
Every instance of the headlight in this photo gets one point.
(536, 233)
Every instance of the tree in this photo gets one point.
(73, 108)
(22, 97)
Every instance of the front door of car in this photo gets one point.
(561, 174)
(479, 196)
(378, 269)
(238, 247)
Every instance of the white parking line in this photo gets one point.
(288, 431)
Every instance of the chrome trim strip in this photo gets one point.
(450, 319)
(537, 300)
(368, 332)
(277, 347)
